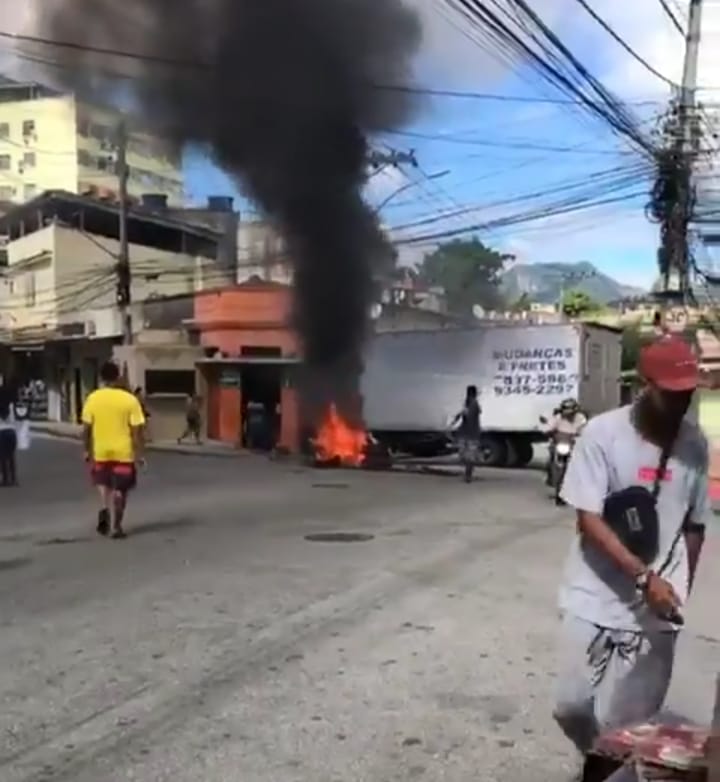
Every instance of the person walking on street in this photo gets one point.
(113, 423)
(8, 444)
(140, 395)
(469, 432)
(193, 422)
(638, 479)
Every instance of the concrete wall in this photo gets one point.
(157, 352)
(73, 278)
(246, 316)
(31, 267)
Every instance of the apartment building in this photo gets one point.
(59, 315)
(53, 141)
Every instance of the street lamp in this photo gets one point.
(408, 186)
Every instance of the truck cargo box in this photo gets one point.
(414, 382)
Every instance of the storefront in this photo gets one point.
(251, 360)
(240, 390)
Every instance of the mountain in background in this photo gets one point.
(544, 282)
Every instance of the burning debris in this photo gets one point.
(283, 95)
(338, 442)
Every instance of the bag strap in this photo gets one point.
(665, 455)
(662, 467)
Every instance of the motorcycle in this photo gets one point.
(563, 445)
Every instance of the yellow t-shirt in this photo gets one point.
(112, 413)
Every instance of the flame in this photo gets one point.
(337, 440)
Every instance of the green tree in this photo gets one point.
(632, 341)
(468, 271)
(576, 303)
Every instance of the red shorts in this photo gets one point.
(118, 476)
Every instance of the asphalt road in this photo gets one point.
(218, 644)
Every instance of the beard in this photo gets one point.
(655, 424)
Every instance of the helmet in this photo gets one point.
(569, 405)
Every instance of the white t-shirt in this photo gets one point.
(610, 456)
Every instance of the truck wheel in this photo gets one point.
(492, 452)
(512, 458)
(525, 452)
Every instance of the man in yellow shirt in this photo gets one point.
(113, 423)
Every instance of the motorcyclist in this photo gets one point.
(568, 420)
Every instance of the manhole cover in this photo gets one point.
(339, 537)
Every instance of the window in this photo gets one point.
(5, 162)
(29, 191)
(4, 130)
(170, 381)
(29, 160)
(28, 128)
(30, 291)
(7, 192)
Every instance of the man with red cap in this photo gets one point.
(638, 482)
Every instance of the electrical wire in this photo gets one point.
(597, 182)
(178, 63)
(669, 12)
(625, 45)
(519, 218)
(556, 65)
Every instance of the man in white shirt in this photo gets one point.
(620, 613)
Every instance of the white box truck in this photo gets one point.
(414, 383)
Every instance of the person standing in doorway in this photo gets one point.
(113, 424)
(469, 432)
(8, 444)
(638, 479)
(193, 421)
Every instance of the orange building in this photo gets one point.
(251, 356)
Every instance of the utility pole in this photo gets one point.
(124, 276)
(674, 189)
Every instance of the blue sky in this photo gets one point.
(474, 153)
(480, 152)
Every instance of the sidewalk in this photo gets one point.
(208, 448)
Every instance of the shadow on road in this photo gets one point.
(152, 527)
(14, 564)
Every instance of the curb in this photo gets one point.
(156, 448)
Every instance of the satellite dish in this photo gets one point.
(478, 311)
(376, 311)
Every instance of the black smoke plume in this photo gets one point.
(283, 94)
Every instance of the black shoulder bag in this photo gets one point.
(632, 514)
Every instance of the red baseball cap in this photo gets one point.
(670, 364)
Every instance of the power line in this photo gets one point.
(554, 63)
(625, 45)
(611, 178)
(146, 57)
(519, 145)
(672, 17)
(524, 217)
